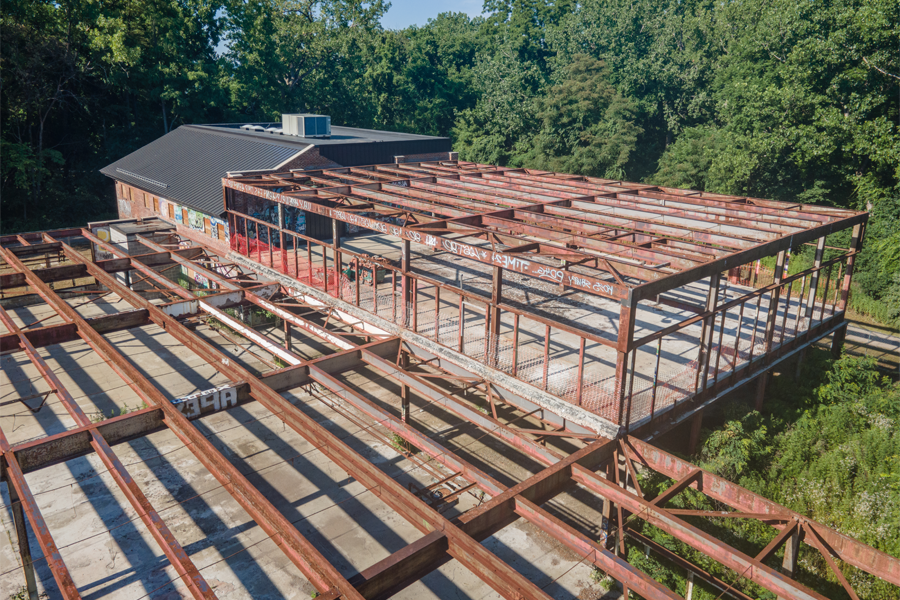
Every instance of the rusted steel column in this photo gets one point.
(627, 314)
(287, 335)
(814, 280)
(22, 539)
(302, 553)
(855, 246)
(774, 300)
(336, 251)
(791, 550)
(404, 389)
(16, 480)
(706, 334)
(284, 260)
(405, 283)
(496, 300)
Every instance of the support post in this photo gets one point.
(855, 246)
(837, 342)
(689, 592)
(814, 281)
(623, 345)
(774, 300)
(287, 335)
(791, 550)
(336, 250)
(404, 390)
(761, 382)
(696, 424)
(493, 315)
(405, 283)
(24, 547)
(706, 335)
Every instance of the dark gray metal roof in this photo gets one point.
(187, 164)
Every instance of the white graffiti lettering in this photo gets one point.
(555, 274)
(207, 401)
(511, 262)
(603, 287)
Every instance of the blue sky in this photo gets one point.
(404, 13)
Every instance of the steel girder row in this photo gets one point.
(864, 555)
(822, 538)
(301, 552)
(458, 192)
(478, 559)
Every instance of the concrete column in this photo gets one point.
(837, 342)
(761, 382)
(689, 592)
(24, 548)
(696, 423)
(801, 355)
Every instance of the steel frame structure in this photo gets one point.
(629, 243)
(604, 467)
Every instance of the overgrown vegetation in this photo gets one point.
(778, 99)
(828, 447)
(100, 416)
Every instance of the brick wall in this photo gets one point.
(134, 203)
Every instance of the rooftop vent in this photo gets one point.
(303, 125)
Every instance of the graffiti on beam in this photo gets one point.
(208, 401)
(513, 263)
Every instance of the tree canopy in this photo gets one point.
(781, 99)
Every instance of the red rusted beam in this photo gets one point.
(739, 562)
(500, 576)
(508, 261)
(14, 476)
(301, 552)
(845, 548)
(173, 550)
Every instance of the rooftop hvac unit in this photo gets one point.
(303, 125)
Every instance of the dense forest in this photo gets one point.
(779, 99)
(786, 99)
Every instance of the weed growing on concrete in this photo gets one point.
(99, 416)
(604, 581)
(22, 594)
(398, 443)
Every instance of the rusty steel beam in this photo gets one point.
(847, 549)
(14, 477)
(508, 261)
(67, 332)
(602, 558)
(745, 566)
(298, 549)
(170, 546)
(496, 573)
